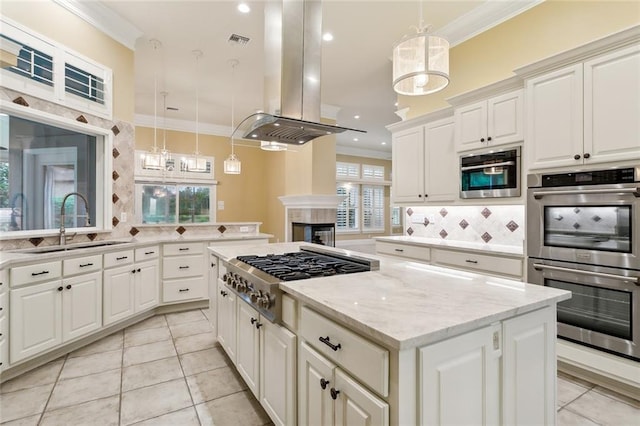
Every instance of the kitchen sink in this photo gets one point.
(70, 247)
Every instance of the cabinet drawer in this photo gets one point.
(4, 283)
(35, 273)
(82, 265)
(183, 266)
(496, 265)
(4, 345)
(175, 249)
(146, 253)
(118, 258)
(4, 304)
(190, 288)
(404, 250)
(367, 362)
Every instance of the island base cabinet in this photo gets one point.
(459, 379)
(226, 314)
(329, 396)
(529, 349)
(248, 345)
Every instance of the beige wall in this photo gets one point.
(547, 29)
(387, 193)
(57, 23)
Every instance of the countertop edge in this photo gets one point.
(448, 245)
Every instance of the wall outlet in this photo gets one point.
(244, 229)
(220, 205)
(123, 217)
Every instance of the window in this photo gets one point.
(174, 203)
(43, 158)
(347, 215)
(373, 207)
(372, 172)
(83, 84)
(396, 216)
(347, 171)
(33, 64)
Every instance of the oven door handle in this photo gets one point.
(633, 191)
(635, 280)
(486, 166)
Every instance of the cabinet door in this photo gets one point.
(441, 162)
(471, 126)
(227, 320)
(555, 119)
(408, 165)
(36, 319)
(147, 285)
(315, 379)
(459, 380)
(529, 369)
(505, 118)
(278, 373)
(248, 345)
(213, 292)
(119, 294)
(612, 106)
(81, 305)
(356, 406)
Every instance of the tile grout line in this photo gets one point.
(616, 399)
(581, 415)
(121, 379)
(55, 383)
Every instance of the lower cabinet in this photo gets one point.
(226, 314)
(130, 289)
(329, 396)
(4, 321)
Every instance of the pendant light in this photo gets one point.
(420, 62)
(152, 160)
(197, 164)
(232, 165)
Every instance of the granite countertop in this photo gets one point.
(516, 251)
(408, 304)
(8, 258)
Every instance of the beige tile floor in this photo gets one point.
(169, 370)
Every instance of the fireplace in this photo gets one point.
(317, 233)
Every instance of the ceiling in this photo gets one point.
(356, 64)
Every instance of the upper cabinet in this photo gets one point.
(425, 163)
(494, 121)
(585, 113)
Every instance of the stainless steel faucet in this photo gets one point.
(87, 222)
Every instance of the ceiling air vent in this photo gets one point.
(238, 39)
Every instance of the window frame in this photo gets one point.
(357, 209)
(178, 185)
(381, 209)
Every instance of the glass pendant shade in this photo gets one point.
(232, 165)
(420, 64)
(273, 146)
(153, 161)
(197, 164)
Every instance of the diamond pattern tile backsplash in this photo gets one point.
(498, 225)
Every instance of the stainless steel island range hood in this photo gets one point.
(293, 53)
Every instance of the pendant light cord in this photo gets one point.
(198, 55)
(164, 123)
(233, 69)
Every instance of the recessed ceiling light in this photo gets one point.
(254, 135)
(396, 104)
(384, 143)
(355, 139)
(327, 36)
(356, 117)
(244, 8)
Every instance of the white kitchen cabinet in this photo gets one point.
(494, 264)
(529, 349)
(329, 396)
(459, 379)
(248, 346)
(119, 293)
(492, 122)
(4, 321)
(214, 272)
(425, 163)
(147, 285)
(585, 113)
(81, 305)
(184, 274)
(227, 320)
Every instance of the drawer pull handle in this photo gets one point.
(213, 265)
(258, 325)
(84, 265)
(399, 250)
(122, 257)
(327, 342)
(182, 290)
(471, 261)
(323, 383)
(253, 321)
(149, 252)
(183, 248)
(183, 267)
(334, 393)
(35, 274)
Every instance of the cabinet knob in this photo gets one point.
(489, 138)
(323, 383)
(481, 139)
(60, 288)
(253, 321)
(576, 157)
(419, 195)
(587, 155)
(258, 325)
(426, 195)
(68, 286)
(133, 271)
(334, 393)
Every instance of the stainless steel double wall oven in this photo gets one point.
(583, 237)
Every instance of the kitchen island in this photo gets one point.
(416, 344)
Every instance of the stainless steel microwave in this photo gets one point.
(490, 174)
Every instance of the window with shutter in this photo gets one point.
(347, 214)
(372, 208)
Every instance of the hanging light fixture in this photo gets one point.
(197, 163)
(152, 160)
(420, 62)
(232, 165)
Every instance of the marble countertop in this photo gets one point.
(408, 304)
(516, 251)
(9, 258)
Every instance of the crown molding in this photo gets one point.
(362, 152)
(182, 125)
(483, 18)
(312, 201)
(421, 119)
(104, 19)
(484, 92)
